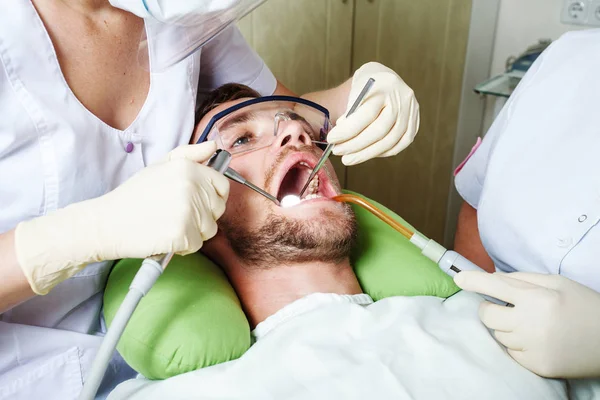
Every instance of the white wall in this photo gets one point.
(521, 23)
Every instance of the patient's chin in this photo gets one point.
(323, 211)
(319, 220)
(328, 237)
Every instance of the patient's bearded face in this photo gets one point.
(262, 233)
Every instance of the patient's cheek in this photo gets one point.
(333, 176)
(235, 199)
(244, 207)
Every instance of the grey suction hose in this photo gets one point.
(151, 269)
(143, 281)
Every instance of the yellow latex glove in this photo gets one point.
(554, 327)
(171, 206)
(383, 125)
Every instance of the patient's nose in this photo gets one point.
(291, 133)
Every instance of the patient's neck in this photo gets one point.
(263, 292)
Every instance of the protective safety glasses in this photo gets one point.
(255, 124)
(191, 24)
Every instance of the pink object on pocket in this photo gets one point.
(473, 150)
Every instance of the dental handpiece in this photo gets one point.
(329, 147)
(220, 162)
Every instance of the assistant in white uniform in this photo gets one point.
(54, 152)
(535, 185)
(535, 180)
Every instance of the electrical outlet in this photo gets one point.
(581, 12)
(575, 12)
(593, 16)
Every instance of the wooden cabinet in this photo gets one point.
(315, 44)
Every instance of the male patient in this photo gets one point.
(317, 335)
(273, 255)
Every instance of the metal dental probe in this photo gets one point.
(220, 162)
(329, 147)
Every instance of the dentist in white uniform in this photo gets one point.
(95, 166)
(79, 117)
(532, 211)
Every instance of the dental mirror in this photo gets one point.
(290, 200)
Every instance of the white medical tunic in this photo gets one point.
(54, 152)
(535, 180)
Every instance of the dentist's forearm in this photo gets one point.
(14, 288)
(281, 90)
(335, 99)
(467, 241)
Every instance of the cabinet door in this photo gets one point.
(306, 43)
(425, 42)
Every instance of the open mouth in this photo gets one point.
(294, 175)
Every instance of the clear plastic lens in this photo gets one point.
(257, 126)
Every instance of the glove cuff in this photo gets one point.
(367, 71)
(54, 247)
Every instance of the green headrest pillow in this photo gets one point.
(192, 317)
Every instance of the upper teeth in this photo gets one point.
(313, 186)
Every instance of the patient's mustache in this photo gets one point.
(281, 158)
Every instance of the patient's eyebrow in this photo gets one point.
(297, 117)
(241, 118)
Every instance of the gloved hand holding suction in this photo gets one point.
(384, 124)
(171, 206)
(554, 328)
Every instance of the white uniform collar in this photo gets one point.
(304, 305)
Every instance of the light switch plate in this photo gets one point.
(581, 12)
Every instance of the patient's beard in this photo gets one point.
(282, 240)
